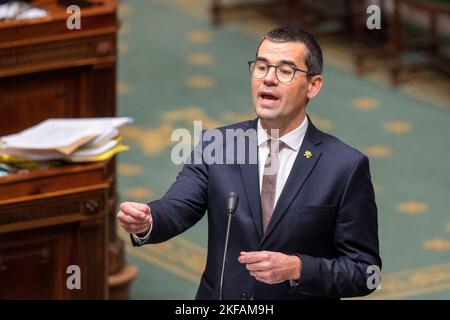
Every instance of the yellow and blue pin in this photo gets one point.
(308, 154)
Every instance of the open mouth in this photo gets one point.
(268, 96)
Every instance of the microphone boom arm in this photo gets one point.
(232, 203)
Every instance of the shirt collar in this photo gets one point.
(292, 139)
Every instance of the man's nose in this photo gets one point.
(271, 76)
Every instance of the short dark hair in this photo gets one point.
(313, 60)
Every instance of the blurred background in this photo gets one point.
(168, 63)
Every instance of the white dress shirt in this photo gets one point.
(293, 141)
(287, 155)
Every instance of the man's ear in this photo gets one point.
(314, 86)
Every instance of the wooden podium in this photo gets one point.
(49, 71)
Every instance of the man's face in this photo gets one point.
(280, 104)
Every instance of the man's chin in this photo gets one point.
(267, 114)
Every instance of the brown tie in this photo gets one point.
(269, 181)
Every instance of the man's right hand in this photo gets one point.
(135, 217)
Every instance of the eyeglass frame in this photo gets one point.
(276, 68)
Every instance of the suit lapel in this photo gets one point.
(250, 176)
(299, 173)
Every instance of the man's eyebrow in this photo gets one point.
(262, 59)
(289, 62)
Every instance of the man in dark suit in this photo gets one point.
(306, 224)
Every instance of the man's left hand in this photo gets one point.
(271, 267)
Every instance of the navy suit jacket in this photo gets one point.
(326, 215)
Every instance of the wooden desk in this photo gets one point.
(394, 42)
(49, 71)
(51, 219)
(430, 42)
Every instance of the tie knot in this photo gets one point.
(275, 146)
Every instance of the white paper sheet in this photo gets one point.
(20, 10)
(60, 133)
(89, 152)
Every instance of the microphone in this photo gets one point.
(232, 203)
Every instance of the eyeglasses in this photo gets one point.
(284, 72)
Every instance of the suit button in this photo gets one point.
(244, 296)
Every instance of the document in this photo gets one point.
(63, 136)
(20, 10)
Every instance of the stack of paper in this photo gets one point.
(74, 140)
(20, 10)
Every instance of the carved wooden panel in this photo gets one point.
(80, 204)
(65, 53)
(26, 270)
(48, 95)
(41, 234)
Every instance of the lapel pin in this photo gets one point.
(307, 154)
